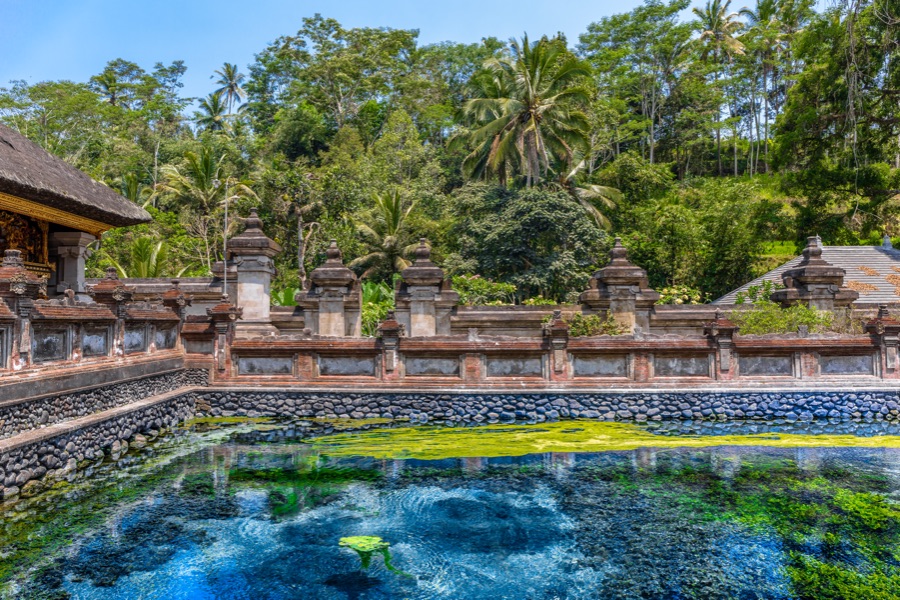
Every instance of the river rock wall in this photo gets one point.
(48, 457)
(628, 406)
(34, 413)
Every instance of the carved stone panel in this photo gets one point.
(766, 365)
(347, 365)
(166, 337)
(861, 364)
(95, 341)
(432, 366)
(270, 365)
(601, 366)
(681, 366)
(135, 339)
(514, 366)
(49, 344)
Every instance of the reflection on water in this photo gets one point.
(257, 512)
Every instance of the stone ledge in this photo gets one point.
(39, 435)
(16, 387)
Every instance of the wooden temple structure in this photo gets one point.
(53, 213)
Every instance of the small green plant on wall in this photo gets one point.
(589, 325)
(681, 294)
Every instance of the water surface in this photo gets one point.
(575, 509)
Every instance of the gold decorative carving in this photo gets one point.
(26, 234)
(53, 215)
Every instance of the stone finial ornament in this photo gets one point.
(622, 290)
(815, 282)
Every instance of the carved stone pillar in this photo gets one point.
(18, 289)
(721, 333)
(253, 252)
(391, 332)
(815, 282)
(425, 301)
(178, 301)
(115, 295)
(332, 305)
(70, 248)
(621, 290)
(886, 332)
(557, 334)
(224, 317)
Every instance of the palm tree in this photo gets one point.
(213, 115)
(386, 235)
(108, 86)
(131, 187)
(201, 187)
(230, 79)
(592, 197)
(146, 259)
(527, 111)
(764, 27)
(717, 37)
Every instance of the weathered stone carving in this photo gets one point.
(333, 303)
(621, 290)
(815, 282)
(424, 299)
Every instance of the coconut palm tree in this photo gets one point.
(213, 114)
(147, 258)
(764, 28)
(386, 234)
(131, 187)
(717, 38)
(200, 186)
(527, 111)
(231, 79)
(592, 197)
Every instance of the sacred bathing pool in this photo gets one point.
(186, 439)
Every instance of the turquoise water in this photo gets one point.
(256, 511)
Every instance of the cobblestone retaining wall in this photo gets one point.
(640, 406)
(29, 466)
(28, 414)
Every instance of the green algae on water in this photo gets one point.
(583, 436)
(366, 546)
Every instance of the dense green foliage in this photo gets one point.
(710, 143)
(769, 317)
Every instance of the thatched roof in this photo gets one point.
(27, 171)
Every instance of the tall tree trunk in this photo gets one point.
(766, 118)
(301, 251)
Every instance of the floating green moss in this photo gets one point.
(436, 443)
(366, 546)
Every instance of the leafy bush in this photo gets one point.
(539, 301)
(285, 297)
(377, 300)
(589, 325)
(768, 317)
(757, 293)
(476, 290)
(681, 294)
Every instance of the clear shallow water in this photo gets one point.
(256, 510)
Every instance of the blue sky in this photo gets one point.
(73, 39)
